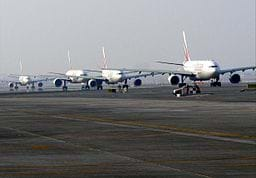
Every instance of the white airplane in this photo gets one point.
(119, 76)
(199, 70)
(95, 78)
(77, 76)
(26, 80)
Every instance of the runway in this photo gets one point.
(146, 132)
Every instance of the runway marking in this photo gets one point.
(136, 126)
(183, 132)
(148, 163)
(51, 170)
(33, 134)
(167, 168)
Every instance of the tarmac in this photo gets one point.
(146, 132)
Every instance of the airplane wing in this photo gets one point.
(35, 80)
(85, 77)
(157, 72)
(57, 73)
(94, 77)
(232, 70)
(92, 70)
(169, 63)
(129, 77)
(14, 76)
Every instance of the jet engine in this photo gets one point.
(235, 78)
(174, 79)
(57, 82)
(11, 85)
(92, 83)
(40, 84)
(137, 82)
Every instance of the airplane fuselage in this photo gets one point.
(24, 80)
(77, 76)
(113, 76)
(202, 70)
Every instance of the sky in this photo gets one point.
(134, 33)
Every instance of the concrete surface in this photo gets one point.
(146, 132)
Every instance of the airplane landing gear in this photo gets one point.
(65, 88)
(215, 83)
(33, 87)
(125, 88)
(16, 87)
(100, 87)
(85, 87)
(182, 82)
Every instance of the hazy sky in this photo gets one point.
(134, 33)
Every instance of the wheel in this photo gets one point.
(83, 87)
(213, 84)
(87, 87)
(16, 87)
(99, 87)
(125, 88)
(65, 88)
(219, 84)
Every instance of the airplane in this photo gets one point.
(201, 70)
(121, 76)
(198, 70)
(117, 76)
(26, 80)
(77, 76)
(106, 75)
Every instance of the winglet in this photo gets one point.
(186, 51)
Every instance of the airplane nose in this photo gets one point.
(119, 77)
(215, 72)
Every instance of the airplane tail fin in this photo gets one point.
(104, 66)
(185, 46)
(69, 60)
(21, 67)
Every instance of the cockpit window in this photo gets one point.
(215, 66)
